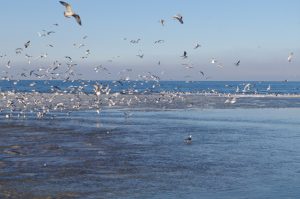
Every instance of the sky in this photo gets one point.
(259, 33)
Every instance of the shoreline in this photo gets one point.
(42, 104)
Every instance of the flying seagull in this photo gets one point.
(26, 45)
(290, 57)
(238, 63)
(140, 56)
(230, 100)
(69, 12)
(179, 18)
(97, 90)
(162, 22)
(197, 46)
(213, 61)
(184, 56)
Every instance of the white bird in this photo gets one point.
(246, 88)
(230, 100)
(290, 57)
(179, 18)
(69, 12)
(269, 88)
(213, 61)
(197, 46)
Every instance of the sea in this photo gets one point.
(130, 141)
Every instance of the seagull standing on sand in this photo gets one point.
(69, 12)
(179, 18)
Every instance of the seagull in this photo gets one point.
(8, 64)
(69, 58)
(269, 88)
(162, 22)
(202, 73)
(135, 41)
(42, 34)
(159, 41)
(97, 90)
(230, 100)
(184, 56)
(69, 12)
(238, 63)
(19, 50)
(213, 61)
(188, 140)
(141, 56)
(246, 88)
(290, 57)
(179, 18)
(26, 45)
(197, 46)
(50, 32)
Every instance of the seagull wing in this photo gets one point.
(68, 6)
(77, 17)
(179, 18)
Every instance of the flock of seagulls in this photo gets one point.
(101, 94)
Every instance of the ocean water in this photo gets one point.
(249, 149)
(146, 87)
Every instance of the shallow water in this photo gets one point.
(235, 153)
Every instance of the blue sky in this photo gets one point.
(260, 33)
